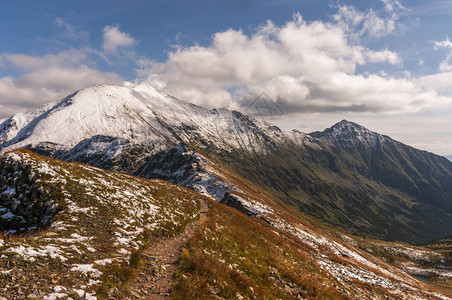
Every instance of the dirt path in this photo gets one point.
(161, 262)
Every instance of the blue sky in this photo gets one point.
(385, 64)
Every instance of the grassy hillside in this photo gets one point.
(237, 257)
(97, 222)
(282, 253)
(82, 232)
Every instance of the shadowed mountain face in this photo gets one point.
(360, 181)
(347, 176)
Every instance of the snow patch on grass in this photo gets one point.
(29, 253)
(87, 269)
(55, 296)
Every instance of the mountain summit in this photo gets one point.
(350, 134)
(120, 112)
(347, 176)
(111, 119)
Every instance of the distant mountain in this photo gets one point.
(360, 181)
(449, 157)
(347, 176)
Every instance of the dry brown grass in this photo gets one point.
(266, 262)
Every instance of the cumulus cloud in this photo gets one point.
(114, 39)
(47, 78)
(22, 62)
(371, 24)
(303, 66)
(42, 79)
(384, 56)
(445, 65)
(393, 5)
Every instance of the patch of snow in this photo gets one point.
(428, 272)
(254, 207)
(84, 295)
(46, 169)
(14, 157)
(123, 251)
(93, 282)
(29, 253)
(86, 269)
(59, 288)
(55, 296)
(103, 262)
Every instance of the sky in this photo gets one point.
(385, 64)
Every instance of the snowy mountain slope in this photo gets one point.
(86, 224)
(186, 167)
(140, 115)
(10, 127)
(349, 134)
(101, 110)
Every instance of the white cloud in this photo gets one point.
(392, 5)
(114, 39)
(384, 56)
(370, 24)
(47, 78)
(24, 62)
(42, 79)
(304, 66)
(443, 44)
(445, 65)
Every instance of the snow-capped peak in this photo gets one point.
(348, 133)
(100, 110)
(137, 115)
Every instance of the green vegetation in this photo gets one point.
(391, 192)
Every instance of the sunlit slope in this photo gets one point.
(260, 247)
(81, 226)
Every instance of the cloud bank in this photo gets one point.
(305, 67)
(47, 78)
(42, 79)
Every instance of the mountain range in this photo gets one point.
(346, 176)
(291, 214)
